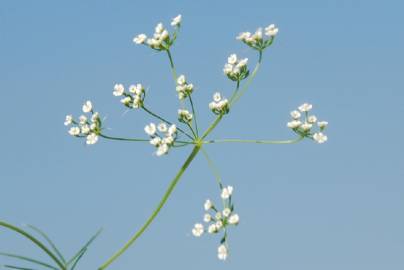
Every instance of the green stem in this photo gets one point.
(249, 81)
(165, 121)
(194, 114)
(35, 241)
(123, 139)
(157, 210)
(255, 141)
(192, 130)
(213, 168)
(173, 71)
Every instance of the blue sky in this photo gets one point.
(334, 206)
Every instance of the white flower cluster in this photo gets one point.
(161, 39)
(304, 127)
(88, 127)
(257, 40)
(218, 220)
(183, 88)
(164, 140)
(184, 116)
(236, 69)
(219, 105)
(133, 99)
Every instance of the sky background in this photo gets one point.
(306, 206)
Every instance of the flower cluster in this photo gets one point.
(304, 127)
(133, 99)
(257, 40)
(184, 89)
(219, 105)
(236, 69)
(164, 140)
(184, 116)
(218, 220)
(88, 127)
(161, 39)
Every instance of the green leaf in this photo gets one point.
(78, 259)
(23, 258)
(34, 240)
(17, 267)
(84, 248)
(49, 241)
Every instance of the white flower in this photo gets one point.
(212, 228)
(185, 115)
(243, 36)
(257, 35)
(232, 59)
(159, 28)
(306, 126)
(168, 140)
(227, 192)
(126, 100)
(140, 39)
(295, 114)
(95, 117)
(176, 21)
(217, 97)
(234, 219)
(162, 150)
(208, 205)
(219, 224)
(207, 217)
(305, 107)
(241, 63)
(150, 129)
(181, 80)
(312, 119)
(162, 127)
(92, 138)
(271, 30)
(118, 90)
(74, 131)
(218, 215)
(172, 130)
(82, 119)
(87, 106)
(222, 252)
(322, 124)
(197, 231)
(85, 129)
(226, 212)
(320, 137)
(155, 141)
(294, 124)
(68, 120)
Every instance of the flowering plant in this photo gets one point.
(165, 136)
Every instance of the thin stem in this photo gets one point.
(192, 130)
(157, 210)
(35, 241)
(166, 121)
(255, 141)
(173, 71)
(123, 139)
(213, 168)
(249, 81)
(194, 114)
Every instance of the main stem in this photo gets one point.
(167, 194)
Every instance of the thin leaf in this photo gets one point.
(83, 249)
(17, 267)
(49, 241)
(34, 240)
(23, 258)
(78, 259)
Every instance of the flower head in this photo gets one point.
(198, 230)
(87, 106)
(219, 105)
(176, 22)
(257, 40)
(236, 69)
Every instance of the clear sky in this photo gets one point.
(309, 207)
